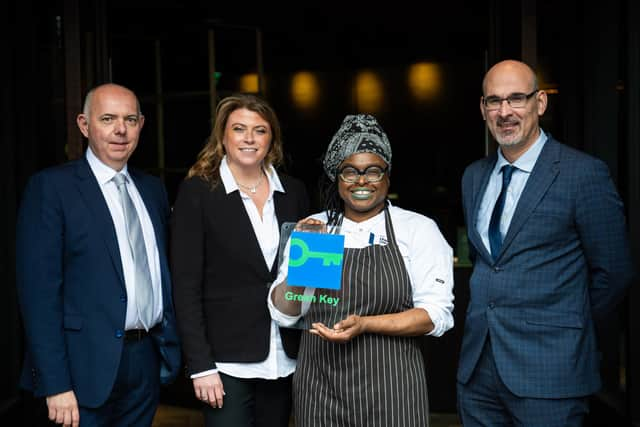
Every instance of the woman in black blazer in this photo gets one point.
(225, 232)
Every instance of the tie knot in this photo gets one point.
(119, 179)
(507, 171)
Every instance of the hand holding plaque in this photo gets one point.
(310, 260)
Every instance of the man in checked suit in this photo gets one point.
(553, 259)
(90, 350)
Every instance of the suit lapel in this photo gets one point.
(282, 207)
(542, 176)
(479, 188)
(284, 211)
(96, 204)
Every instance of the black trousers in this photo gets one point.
(252, 402)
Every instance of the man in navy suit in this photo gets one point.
(550, 252)
(89, 349)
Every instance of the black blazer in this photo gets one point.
(221, 281)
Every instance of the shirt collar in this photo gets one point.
(527, 161)
(103, 172)
(368, 223)
(230, 184)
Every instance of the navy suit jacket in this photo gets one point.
(565, 260)
(71, 285)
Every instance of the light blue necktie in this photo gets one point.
(495, 237)
(142, 280)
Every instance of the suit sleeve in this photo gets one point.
(39, 273)
(187, 266)
(168, 342)
(601, 226)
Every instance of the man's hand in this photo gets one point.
(63, 409)
(210, 390)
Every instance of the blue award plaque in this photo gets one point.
(315, 260)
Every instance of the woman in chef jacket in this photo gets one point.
(366, 367)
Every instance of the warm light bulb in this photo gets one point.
(249, 83)
(305, 90)
(369, 92)
(425, 80)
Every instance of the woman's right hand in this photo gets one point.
(288, 306)
(210, 390)
(311, 224)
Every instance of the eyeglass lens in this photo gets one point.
(515, 100)
(371, 174)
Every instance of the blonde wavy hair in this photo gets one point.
(207, 165)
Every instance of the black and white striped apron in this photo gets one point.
(373, 380)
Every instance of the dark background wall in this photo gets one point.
(167, 51)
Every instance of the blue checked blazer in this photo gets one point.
(565, 261)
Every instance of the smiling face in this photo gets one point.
(247, 138)
(112, 124)
(362, 199)
(515, 129)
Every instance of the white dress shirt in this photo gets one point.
(277, 364)
(524, 165)
(427, 256)
(104, 174)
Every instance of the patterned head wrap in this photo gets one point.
(357, 134)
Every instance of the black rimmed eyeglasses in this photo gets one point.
(515, 100)
(372, 173)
